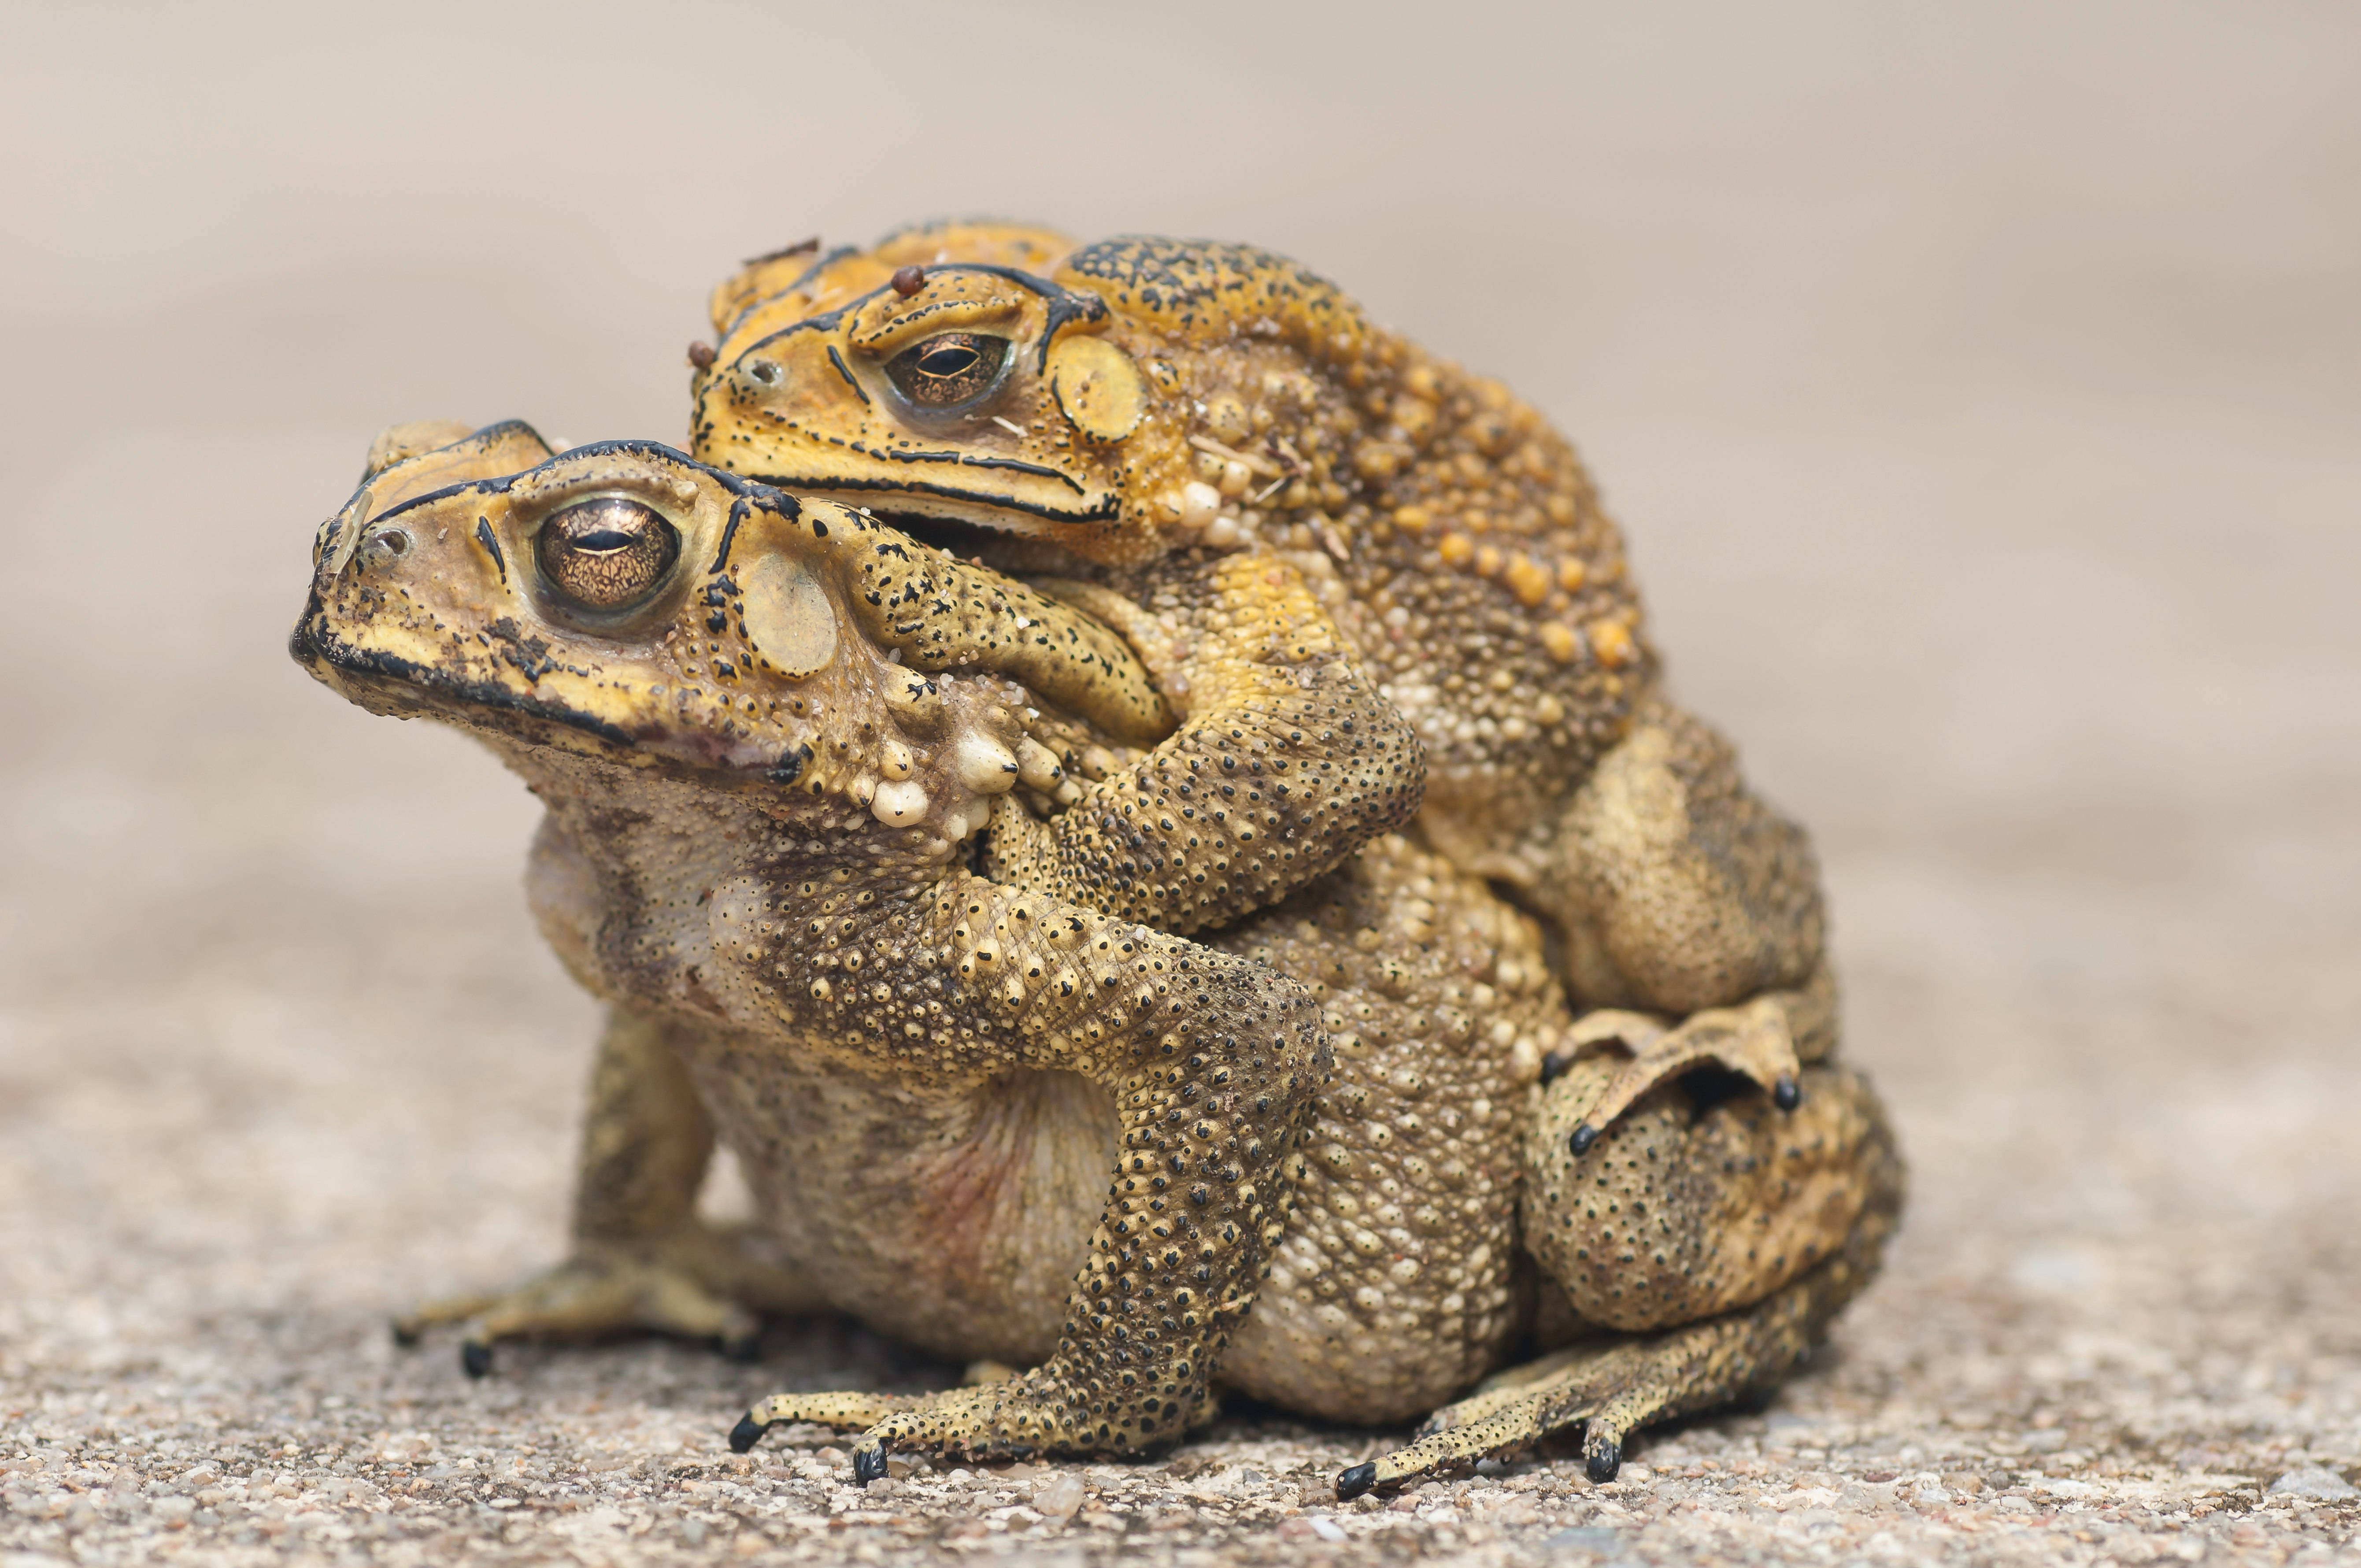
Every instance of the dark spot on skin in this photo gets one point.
(843, 370)
(909, 280)
(492, 545)
(729, 535)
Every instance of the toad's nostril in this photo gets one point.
(380, 545)
(765, 371)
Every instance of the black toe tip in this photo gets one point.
(1786, 1093)
(741, 1347)
(868, 1464)
(1553, 1066)
(747, 1433)
(1584, 1136)
(1351, 1484)
(475, 1358)
(1603, 1464)
(404, 1335)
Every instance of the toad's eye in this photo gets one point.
(609, 553)
(948, 368)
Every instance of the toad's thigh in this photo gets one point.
(1391, 1291)
(1705, 1196)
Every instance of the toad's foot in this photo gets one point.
(1612, 1388)
(698, 1287)
(1608, 1392)
(1754, 1041)
(1037, 1414)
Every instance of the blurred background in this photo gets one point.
(1979, 388)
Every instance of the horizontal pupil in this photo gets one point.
(606, 554)
(948, 361)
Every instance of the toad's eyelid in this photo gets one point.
(899, 332)
(662, 495)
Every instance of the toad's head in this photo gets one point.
(623, 602)
(1119, 400)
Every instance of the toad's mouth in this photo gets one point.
(389, 683)
(394, 684)
(916, 505)
(1018, 553)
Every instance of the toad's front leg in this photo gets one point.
(1287, 760)
(1213, 1062)
(641, 1256)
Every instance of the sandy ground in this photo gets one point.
(1979, 389)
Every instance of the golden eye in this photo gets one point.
(606, 554)
(948, 368)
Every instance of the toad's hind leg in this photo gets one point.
(1719, 1235)
(1692, 919)
(1613, 1388)
(1213, 1062)
(641, 1258)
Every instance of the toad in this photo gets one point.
(1703, 1184)
(983, 1104)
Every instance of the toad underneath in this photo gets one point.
(768, 734)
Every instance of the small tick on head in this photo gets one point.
(700, 355)
(908, 281)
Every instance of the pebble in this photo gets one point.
(2315, 1482)
(1060, 1499)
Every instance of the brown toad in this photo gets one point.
(1186, 404)
(767, 734)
